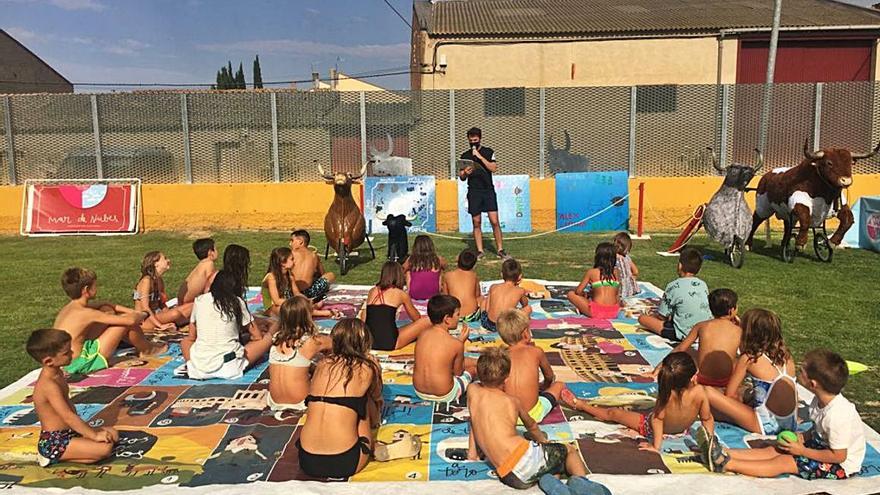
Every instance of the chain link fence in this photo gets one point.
(210, 137)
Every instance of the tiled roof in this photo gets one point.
(583, 17)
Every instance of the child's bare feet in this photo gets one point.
(568, 398)
(156, 350)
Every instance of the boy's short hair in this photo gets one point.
(827, 368)
(467, 259)
(511, 270)
(46, 342)
(691, 260)
(511, 324)
(722, 302)
(493, 366)
(203, 246)
(474, 131)
(441, 306)
(302, 234)
(622, 242)
(75, 279)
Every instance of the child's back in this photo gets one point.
(523, 382)
(506, 295)
(464, 286)
(493, 416)
(438, 357)
(716, 355)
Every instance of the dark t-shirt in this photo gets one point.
(480, 179)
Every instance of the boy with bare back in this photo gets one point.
(97, 328)
(196, 283)
(520, 463)
(311, 279)
(506, 295)
(463, 284)
(64, 436)
(719, 340)
(441, 373)
(525, 360)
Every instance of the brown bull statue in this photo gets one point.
(809, 193)
(344, 222)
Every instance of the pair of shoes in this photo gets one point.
(503, 255)
(480, 255)
(404, 444)
(712, 455)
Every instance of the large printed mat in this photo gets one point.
(220, 435)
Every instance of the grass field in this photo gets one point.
(822, 305)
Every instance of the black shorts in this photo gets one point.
(481, 202)
(668, 331)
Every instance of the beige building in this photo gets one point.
(460, 44)
(22, 71)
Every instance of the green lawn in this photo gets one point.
(831, 305)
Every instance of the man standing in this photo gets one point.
(481, 191)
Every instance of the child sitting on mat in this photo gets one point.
(719, 340)
(97, 328)
(196, 283)
(380, 312)
(626, 267)
(149, 295)
(494, 414)
(834, 448)
(506, 295)
(463, 284)
(311, 279)
(603, 281)
(64, 436)
(525, 360)
(767, 403)
(295, 345)
(423, 269)
(212, 349)
(680, 400)
(279, 285)
(441, 372)
(685, 301)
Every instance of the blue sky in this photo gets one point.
(187, 41)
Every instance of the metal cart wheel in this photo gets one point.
(736, 253)
(822, 246)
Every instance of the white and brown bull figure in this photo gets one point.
(809, 193)
(344, 223)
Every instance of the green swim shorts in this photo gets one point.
(90, 359)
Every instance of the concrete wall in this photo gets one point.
(576, 63)
(283, 206)
(18, 64)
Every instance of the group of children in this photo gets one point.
(743, 372)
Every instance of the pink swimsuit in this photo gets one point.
(424, 284)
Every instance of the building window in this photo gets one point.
(499, 102)
(656, 99)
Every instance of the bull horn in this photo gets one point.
(361, 174)
(567, 141)
(814, 155)
(390, 145)
(862, 156)
(715, 162)
(373, 150)
(760, 160)
(321, 171)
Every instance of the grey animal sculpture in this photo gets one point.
(562, 160)
(386, 164)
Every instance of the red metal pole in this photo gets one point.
(640, 229)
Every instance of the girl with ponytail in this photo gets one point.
(680, 400)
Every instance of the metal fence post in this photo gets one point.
(631, 157)
(725, 111)
(817, 116)
(187, 153)
(10, 140)
(541, 110)
(96, 129)
(276, 168)
(363, 98)
(452, 134)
